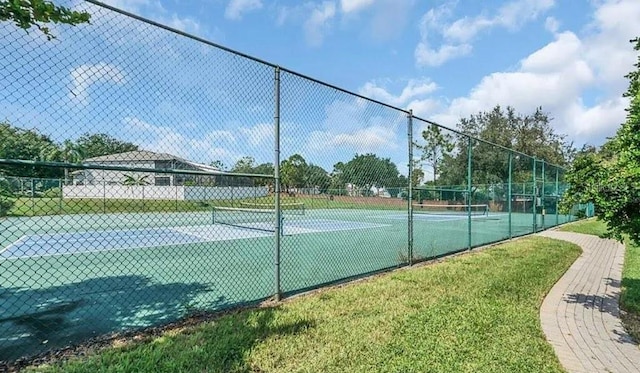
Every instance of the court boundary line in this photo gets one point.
(198, 241)
(13, 244)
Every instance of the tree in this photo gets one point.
(530, 134)
(368, 170)
(218, 164)
(95, 145)
(18, 143)
(244, 165)
(416, 177)
(610, 178)
(68, 152)
(436, 145)
(293, 171)
(317, 176)
(27, 13)
(133, 180)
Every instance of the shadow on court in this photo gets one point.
(36, 320)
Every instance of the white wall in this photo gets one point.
(161, 192)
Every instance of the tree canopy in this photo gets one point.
(524, 133)
(95, 145)
(610, 176)
(28, 13)
(29, 144)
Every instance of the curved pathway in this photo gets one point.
(580, 315)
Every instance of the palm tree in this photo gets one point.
(69, 153)
(132, 180)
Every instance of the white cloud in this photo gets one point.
(260, 134)
(456, 36)
(559, 75)
(413, 89)
(352, 6)
(213, 145)
(372, 139)
(426, 56)
(236, 8)
(84, 76)
(318, 22)
(552, 24)
(154, 10)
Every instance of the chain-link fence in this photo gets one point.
(147, 175)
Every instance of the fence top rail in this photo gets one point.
(275, 66)
(86, 166)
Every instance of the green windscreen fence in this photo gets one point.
(147, 175)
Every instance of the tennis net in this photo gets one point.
(288, 208)
(262, 219)
(431, 209)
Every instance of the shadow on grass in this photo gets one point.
(220, 346)
(33, 321)
(608, 304)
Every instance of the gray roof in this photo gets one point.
(137, 155)
(145, 155)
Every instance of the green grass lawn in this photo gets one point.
(588, 226)
(55, 206)
(630, 294)
(471, 313)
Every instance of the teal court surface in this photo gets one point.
(67, 278)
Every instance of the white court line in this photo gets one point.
(22, 238)
(198, 240)
(239, 232)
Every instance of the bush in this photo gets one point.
(52, 193)
(6, 203)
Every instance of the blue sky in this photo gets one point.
(443, 59)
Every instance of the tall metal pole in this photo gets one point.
(535, 199)
(557, 197)
(542, 207)
(469, 192)
(509, 192)
(276, 174)
(410, 191)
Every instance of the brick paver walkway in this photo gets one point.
(580, 315)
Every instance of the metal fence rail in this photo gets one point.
(148, 174)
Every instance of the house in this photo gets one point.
(211, 184)
(149, 160)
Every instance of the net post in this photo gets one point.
(276, 167)
(509, 193)
(469, 146)
(410, 190)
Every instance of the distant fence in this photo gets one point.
(153, 192)
(104, 260)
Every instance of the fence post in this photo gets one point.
(469, 190)
(557, 197)
(410, 191)
(535, 199)
(60, 186)
(104, 196)
(276, 167)
(543, 211)
(509, 192)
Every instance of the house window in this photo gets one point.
(163, 180)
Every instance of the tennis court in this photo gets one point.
(78, 276)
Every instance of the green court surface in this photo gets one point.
(66, 278)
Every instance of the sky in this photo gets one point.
(443, 59)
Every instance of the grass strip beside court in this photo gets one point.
(58, 206)
(471, 313)
(630, 292)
